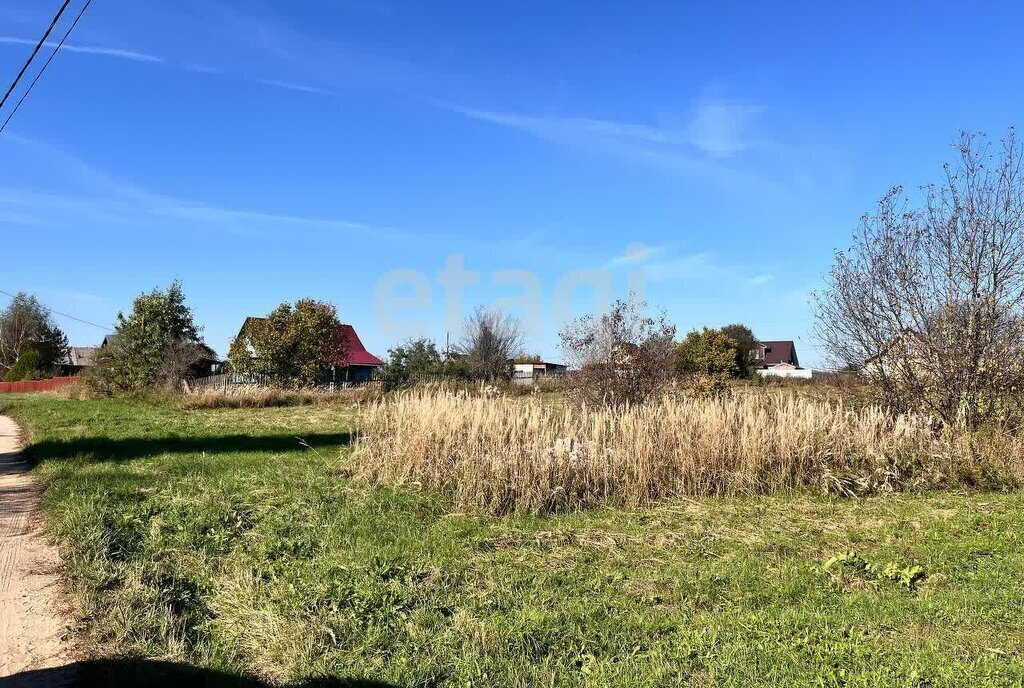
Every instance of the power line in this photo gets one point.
(31, 57)
(46, 64)
(63, 315)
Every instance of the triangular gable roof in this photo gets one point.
(355, 352)
(781, 351)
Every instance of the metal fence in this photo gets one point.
(377, 379)
(36, 385)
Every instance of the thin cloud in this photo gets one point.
(717, 129)
(120, 53)
(635, 254)
(202, 69)
(572, 128)
(707, 146)
(661, 264)
(302, 88)
(696, 266)
(80, 296)
(105, 198)
(136, 56)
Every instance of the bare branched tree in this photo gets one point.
(178, 363)
(929, 301)
(490, 341)
(621, 357)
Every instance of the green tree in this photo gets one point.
(293, 345)
(745, 342)
(27, 367)
(25, 324)
(709, 356)
(414, 356)
(159, 326)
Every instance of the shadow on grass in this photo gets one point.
(142, 673)
(112, 449)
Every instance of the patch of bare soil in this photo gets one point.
(32, 628)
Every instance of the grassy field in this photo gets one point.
(235, 539)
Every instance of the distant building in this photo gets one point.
(528, 372)
(905, 352)
(77, 360)
(351, 363)
(778, 359)
(81, 358)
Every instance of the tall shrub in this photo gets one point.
(622, 357)
(929, 300)
(158, 328)
(490, 341)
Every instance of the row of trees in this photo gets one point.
(491, 341)
(627, 355)
(297, 344)
(621, 356)
(156, 343)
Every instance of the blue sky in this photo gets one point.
(266, 151)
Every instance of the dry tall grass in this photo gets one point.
(505, 455)
(264, 397)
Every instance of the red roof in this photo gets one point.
(355, 352)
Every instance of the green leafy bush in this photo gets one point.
(708, 358)
(27, 367)
(292, 345)
(156, 342)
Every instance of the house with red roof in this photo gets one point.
(351, 362)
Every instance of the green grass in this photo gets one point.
(215, 538)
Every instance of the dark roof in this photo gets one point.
(207, 353)
(539, 364)
(355, 353)
(776, 352)
(80, 356)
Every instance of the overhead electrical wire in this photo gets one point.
(64, 315)
(42, 41)
(45, 65)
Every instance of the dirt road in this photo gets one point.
(31, 627)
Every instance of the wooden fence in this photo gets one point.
(36, 385)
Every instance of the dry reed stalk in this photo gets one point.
(520, 455)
